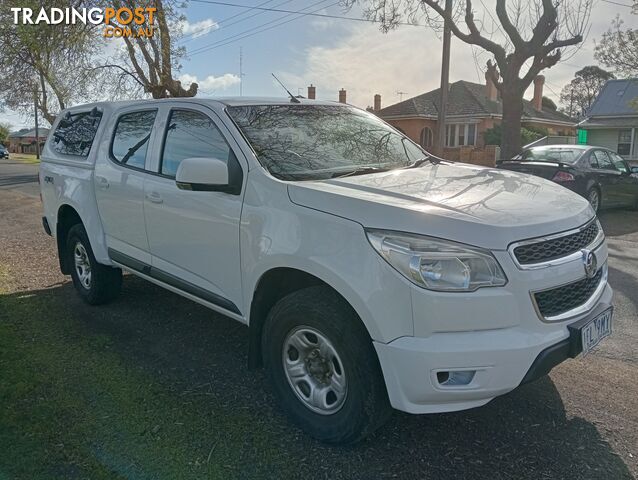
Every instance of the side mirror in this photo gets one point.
(202, 174)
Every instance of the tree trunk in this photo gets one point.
(511, 124)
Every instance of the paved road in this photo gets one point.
(581, 422)
(19, 176)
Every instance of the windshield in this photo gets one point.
(550, 154)
(310, 142)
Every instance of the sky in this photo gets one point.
(336, 53)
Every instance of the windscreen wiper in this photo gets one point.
(360, 171)
(421, 161)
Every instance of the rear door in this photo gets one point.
(119, 184)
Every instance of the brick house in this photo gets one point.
(472, 109)
(23, 141)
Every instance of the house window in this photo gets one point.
(471, 134)
(624, 142)
(450, 133)
(457, 135)
(426, 137)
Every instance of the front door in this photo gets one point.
(194, 235)
(628, 184)
(608, 178)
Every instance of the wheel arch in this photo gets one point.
(272, 286)
(67, 216)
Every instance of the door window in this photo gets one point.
(603, 160)
(619, 163)
(131, 138)
(191, 134)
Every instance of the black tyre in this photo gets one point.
(323, 367)
(593, 197)
(96, 283)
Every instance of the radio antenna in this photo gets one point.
(293, 99)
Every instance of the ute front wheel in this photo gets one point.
(323, 367)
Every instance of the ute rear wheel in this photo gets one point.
(96, 283)
(323, 367)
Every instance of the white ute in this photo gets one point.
(370, 274)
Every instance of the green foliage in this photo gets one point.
(549, 103)
(5, 130)
(492, 136)
(579, 94)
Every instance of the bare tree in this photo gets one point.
(529, 36)
(618, 48)
(151, 61)
(45, 63)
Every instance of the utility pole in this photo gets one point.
(241, 70)
(37, 130)
(445, 80)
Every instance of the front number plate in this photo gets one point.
(596, 330)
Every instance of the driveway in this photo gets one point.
(153, 386)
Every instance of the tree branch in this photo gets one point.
(127, 72)
(511, 30)
(474, 37)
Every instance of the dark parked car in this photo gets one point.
(4, 153)
(600, 175)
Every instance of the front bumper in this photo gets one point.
(501, 360)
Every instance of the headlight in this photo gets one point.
(437, 264)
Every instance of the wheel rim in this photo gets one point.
(82, 265)
(314, 370)
(594, 200)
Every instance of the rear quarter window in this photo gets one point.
(75, 133)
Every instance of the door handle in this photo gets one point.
(154, 197)
(102, 183)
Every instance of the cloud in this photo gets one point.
(211, 83)
(198, 29)
(365, 61)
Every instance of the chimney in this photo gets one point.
(342, 96)
(311, 92)
(539, 81)
(377, 102)
(490, 89)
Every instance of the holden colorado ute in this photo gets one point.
(371, 275)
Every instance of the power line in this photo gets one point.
(617, 3)
(259, 28)
(224, 20)
(313, 14)
(225, 25)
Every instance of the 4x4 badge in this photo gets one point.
(590, 262)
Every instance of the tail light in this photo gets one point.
(563, 177)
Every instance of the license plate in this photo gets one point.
(596, 330)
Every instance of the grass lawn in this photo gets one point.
(24, 158)
(74, 405)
